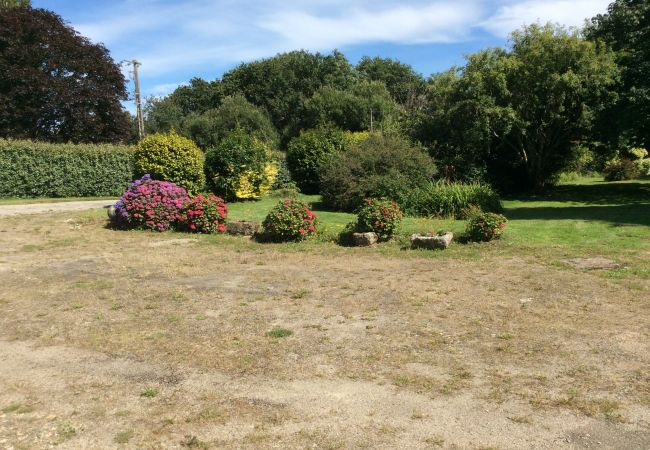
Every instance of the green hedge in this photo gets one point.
(38, 169)
(442, 199)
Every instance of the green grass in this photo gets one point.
(582, 218)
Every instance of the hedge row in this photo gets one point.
(37, 169)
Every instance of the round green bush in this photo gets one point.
(241, 166)
(290, 220)
(170, 157)
(484, 227)
(380, 216)
(380, 166)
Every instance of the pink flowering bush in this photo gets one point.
(380, 216)
(151, 205)
(483, 227)
(290, 220)
(204, 215)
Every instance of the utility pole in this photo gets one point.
(138, 102)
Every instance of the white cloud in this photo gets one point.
(514, 14)
(167, 35)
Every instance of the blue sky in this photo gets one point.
(181, 39)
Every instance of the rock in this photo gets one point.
(432, 241)
(111, 212)
(364, 239)
(242, 227)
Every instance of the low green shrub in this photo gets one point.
(485, 226)
(643, 165)
(171, 157)
(620, 169)
(441, 199)
(380, 167)
(38, 169)
(289, 220)
(380, 216)
(241, 166)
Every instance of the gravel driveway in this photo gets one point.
(39, 208)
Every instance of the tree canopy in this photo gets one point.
(56, 85)
(626, 29)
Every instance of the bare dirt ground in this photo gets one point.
(115, 339)
(39, 208)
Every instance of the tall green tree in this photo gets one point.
(14, 3)
(520, 111)
(56, 85)
(351, 109)
(626, 29)
(234, 113)
(283, 84)
(165, 113)
(404, 84)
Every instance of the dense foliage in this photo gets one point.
(308, 152)
(626, 29)
(171, 157)
(204, 215)
(380, 166)
(235, 112)
(151, 205)
(290, 220)
(38, 169)
(485, 226)
(56, 85)
(516, 114)
(620, 169)
(380, 216)
(442, 199)
(241, 166)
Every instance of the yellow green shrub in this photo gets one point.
(171, 157)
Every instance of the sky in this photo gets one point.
(178, 40)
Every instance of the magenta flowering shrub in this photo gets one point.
(204, 215)
(380, 216)
(151, 205)
(290, 220)
(484, 227)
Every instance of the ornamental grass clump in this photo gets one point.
(150, 205)
(379, 216)
(204, 215)
(290, 220)
(485, 226)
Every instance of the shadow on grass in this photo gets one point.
(630, 214)
(597, 194)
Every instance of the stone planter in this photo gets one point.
(364, 239)
(242, 228)
(432, 242)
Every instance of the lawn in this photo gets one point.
(127, 339)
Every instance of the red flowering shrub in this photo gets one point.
(150, 204)
(204, 215)
(379, 216)
(290, 220)
(485, 226)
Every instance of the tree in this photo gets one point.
(521, 111)
(56, 85)
(351, 109)
(235, 113)
(283, 84)
(165, 113)
(14, 3)
(626, 29)
(404, 84)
